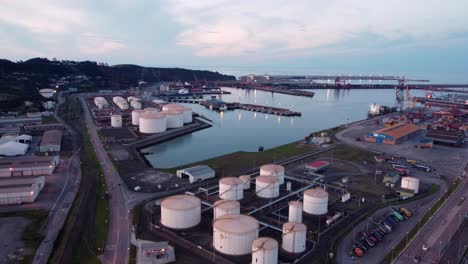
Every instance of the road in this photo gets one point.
(439, 231)
(121, 200)
(59, 211)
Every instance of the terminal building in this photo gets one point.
(28, 166)
(20, 190)
(393, 134)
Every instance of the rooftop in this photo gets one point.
(318, 164)
(198, 170)
(51, 137)
(398, 131)
(25, 162)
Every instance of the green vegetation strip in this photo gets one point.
(402, 245)
(236, 162)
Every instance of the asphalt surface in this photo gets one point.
(448, 161)
(11, 229)
(458, 246)
(121, 200)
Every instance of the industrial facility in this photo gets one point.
(28, 166)
(51, 141)
(269, 223)
(393, 134)
(20, 190)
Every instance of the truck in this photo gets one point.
(406, 212)
(358, 252)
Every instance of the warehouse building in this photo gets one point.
(393, 134)
(197, 173)
(28, 166)
(453, 137)
(51, 141)
(13, 148)
(20, 190)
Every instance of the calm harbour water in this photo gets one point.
(245, 131)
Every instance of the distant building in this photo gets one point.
(17, 190)
(317, 166)
(51, 141)
(28, 166)
(13, 148)
(455, 137)
(393, 134)
(154, 252)
(197, 173)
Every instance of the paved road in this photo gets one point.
(59, 211)
(439, 231)
(120, 203)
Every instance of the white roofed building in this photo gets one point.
(197, 173)
(13, 148)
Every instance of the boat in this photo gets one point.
(377, 110)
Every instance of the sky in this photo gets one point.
(417, 38)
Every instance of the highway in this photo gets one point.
(439, 230)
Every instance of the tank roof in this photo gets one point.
(231, 181)
(294, 227)
(409, 178)
(236, 223)
(227, 204)
(316, 192)
(172, 112)
(267, 179)
(181, 202)
(264, 243)
(138, 111)
(295, 203)
(272, 167)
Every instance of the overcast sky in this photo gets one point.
(417, 38)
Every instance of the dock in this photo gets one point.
(221, 106)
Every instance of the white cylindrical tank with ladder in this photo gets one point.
(294, 237)
(246, 180)
(152, 123)
(267, 186)
(295, 211)
(180, 211)
(225, 207)
(231, 188)
(273, 170)
(265, 251)
(315, 201)
(136, 117)
(234, 234)
(116, 120)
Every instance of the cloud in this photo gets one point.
(94, 44)
(279, 27)
(40, 16)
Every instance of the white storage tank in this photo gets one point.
(410, 183)
(174, 119)
(151, 110)
(295, 211)
(186, 112)
(100, 102)
(136, 117)
(152, 123)
(135, 104)
(168, 107)
(246, 181)
(180, 211)
(116, 121)
(132, 98)
(294, 237)
(231, 188)
(316, 201)
(267, 186)
(234, 234)
(225, 207)
(273, 170)
(265, 251)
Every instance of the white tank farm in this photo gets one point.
(246, 181)
(273, 170)
(294, 237)
(267, 186)
(116, 121)
(316, 201)
(234, 234)
(180, 211)
(136, 117)
(265, 251)
(132, 98)
(151, 123)
(295, 211)
(100, 102)
(231, 188)
(120, 102)
(135, 104)
(225, 207)
(410, 183)
(151, 110)
(186, 112)
(174, 119)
